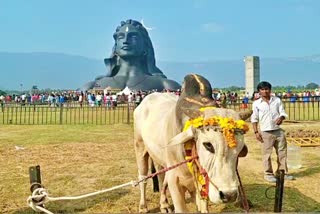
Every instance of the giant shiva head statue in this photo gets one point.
(132, 41)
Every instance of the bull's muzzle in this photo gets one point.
(230, 196)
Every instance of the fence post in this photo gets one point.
(35, 179)
(128, 114)
(61, 113)
(279, 191)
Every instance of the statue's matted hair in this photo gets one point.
(148, 60)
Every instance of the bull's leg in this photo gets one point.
(177, 193)
(164, 205)
(142, 162)
(163, 186)
(156, 182)
(202, 204)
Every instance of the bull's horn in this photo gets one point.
(245, 115)
(182, 137)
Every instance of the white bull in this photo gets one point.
(158, 134)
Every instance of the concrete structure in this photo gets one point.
(252, 71)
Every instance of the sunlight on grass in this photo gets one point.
(80, 159)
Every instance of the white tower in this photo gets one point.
(252, 69)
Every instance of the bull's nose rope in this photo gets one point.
(40, 195)
(202, 175)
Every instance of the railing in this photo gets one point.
(73, 113)
(298, 110)
(64, 114)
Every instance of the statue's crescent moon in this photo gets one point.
(148, 28)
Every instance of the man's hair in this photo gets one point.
(264, 84)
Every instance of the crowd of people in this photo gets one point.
(111, 99)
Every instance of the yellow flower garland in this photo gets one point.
(228, 126)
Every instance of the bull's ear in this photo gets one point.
(244, 151)
(245, 115)
(183, 137)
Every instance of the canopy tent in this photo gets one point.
(125, 91)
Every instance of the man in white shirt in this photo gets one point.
(269, 112)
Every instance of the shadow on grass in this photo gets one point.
(293, 200)
(82, 205)
(307, 172)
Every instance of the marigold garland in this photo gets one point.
(228, 126)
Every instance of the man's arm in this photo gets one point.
(282, 113)
(254, 121)
(256, 132)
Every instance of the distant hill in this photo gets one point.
(47, 70)
(62, 71)
(225, 73)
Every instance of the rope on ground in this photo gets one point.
(40, 196)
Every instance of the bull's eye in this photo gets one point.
(208, 146)
(216, 129)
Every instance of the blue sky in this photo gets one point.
(184, 30)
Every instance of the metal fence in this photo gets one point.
(73, 113)
(65, 114)
(297, 110)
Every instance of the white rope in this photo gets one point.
(40, 196)
(131, 183)
(37, 200)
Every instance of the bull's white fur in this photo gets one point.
(158, 134)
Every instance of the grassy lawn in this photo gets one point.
(79, 159)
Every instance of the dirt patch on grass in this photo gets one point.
(303, 133)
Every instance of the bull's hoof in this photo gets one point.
(143, 209)
(241, 204)
(166, 210)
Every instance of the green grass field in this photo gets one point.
(79, 159)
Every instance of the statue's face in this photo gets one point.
(129, 42)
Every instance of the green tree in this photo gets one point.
(34, 89)
(312, 85)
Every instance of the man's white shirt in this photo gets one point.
(266, 114)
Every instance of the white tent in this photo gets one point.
(125, 91)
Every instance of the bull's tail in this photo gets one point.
(155, 180)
